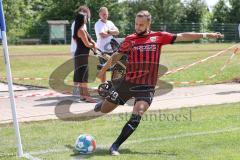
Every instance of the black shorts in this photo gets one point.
(123, 91)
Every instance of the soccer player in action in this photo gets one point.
(143, 49)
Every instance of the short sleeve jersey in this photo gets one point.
(143, 56)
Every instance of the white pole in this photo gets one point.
(239, 30)
(9, 79)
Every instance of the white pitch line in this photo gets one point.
(183, 135)
(49, 151)
(30, 157)
(63, 150)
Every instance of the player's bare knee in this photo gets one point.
(140, 112)
(140, 107)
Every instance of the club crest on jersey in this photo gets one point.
(153, 39)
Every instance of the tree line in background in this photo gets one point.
(23, 17)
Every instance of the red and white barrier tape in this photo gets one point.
(170, 72)
(212, 76)
(33, 95)
(48, 94)
(201, 61)
(167, 73)
(25, 78)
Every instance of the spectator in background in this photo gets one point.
(83, 9)
(73, 46)
(84, 43)
(105, 30)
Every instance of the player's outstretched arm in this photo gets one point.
(191, 36)
(111, 61)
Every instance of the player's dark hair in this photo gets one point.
(145, 13)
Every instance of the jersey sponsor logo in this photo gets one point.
(153, 39)
(148, 47)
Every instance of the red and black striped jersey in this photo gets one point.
(143, 56)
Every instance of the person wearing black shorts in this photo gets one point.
(143, 49)
(84, 43)
(122, 91)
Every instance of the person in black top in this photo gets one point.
(73, 47)
(84, 43)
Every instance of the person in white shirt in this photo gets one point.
(105, 30)
(73, 45)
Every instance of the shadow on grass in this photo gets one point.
(57, 100)
(229, 92)
(125, 151)
(62, 111)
